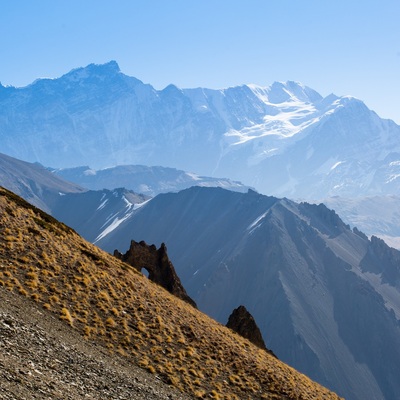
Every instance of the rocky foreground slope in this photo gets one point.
(41, 357)
(114, 307)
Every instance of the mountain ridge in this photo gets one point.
(33, 182)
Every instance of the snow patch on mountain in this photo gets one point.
(117, 219)
(102, 205)
(256, 223)
(112, 226)
(129, 205)
(336, 165)
(140, 205)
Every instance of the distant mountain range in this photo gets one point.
(94, 212)
(143, 179)
(374, 215)
(284, 140)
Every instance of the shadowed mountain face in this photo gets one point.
(316, 147)
(326, 298)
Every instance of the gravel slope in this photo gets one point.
(43, 358)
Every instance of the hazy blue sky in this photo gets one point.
(340, 46)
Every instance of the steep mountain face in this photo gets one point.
(284, 139)
(33, 182)
(143, 179)
(326, 299)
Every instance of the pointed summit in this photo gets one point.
(109, 67)
(93, 70)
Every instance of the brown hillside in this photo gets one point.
(110, 303)
(41, 357)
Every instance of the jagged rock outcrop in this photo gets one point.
(243, 323)
(384, 260)
(157, 264)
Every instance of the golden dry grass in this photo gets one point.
(110, 302)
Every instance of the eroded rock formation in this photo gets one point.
(157, 264)
(243, 323)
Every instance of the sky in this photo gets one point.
(346, 47)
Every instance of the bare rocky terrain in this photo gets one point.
(43, 358)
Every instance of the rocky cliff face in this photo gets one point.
(156, 262)
(384, 260)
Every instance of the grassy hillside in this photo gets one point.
(109, 302)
